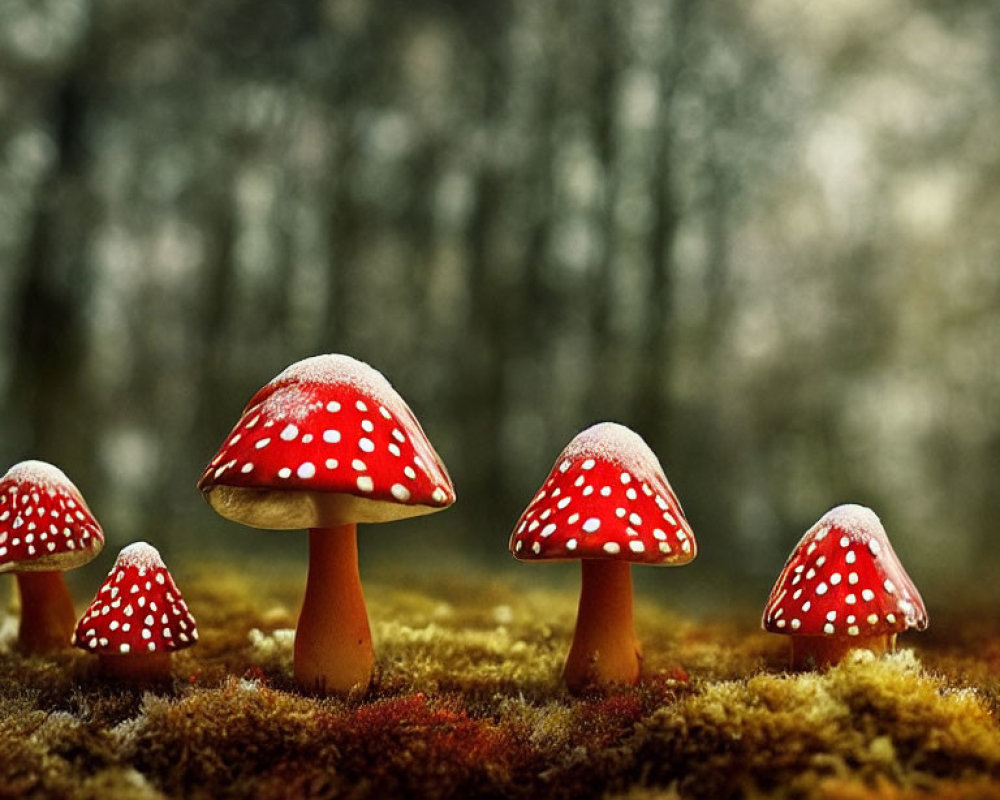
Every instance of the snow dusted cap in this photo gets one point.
(327, 442)
(844, 579)
(605, 498)
(138, 609)
(45, 525)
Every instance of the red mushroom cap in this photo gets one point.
(327, 442)
(45, 525)
(138, 609)
(843, 578)
(605, 498)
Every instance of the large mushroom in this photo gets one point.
(45, 529)
(325, 445)
(843, 588)
(138, 618)
(607, 503)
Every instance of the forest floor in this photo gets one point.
(467, 704)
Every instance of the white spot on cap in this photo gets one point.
(588, 464)
(306, 470)
(548, 530)
(384, 412)
(851, 557)
(331, 463)
(365, 483)
(821, 588)
(394, 449)
(796, 624)
(262, 443)
(606, 491)
(284, 472)
(571, 544)
(333, 406)
(359, 465)
(409, 472)
(564, 502)
(828, 628)
(890, 587)
(400, 492)
(536, 548)
(331, 435)
(636, 546)
(248, 467)
(290, 433)
(612, 548)
(635, 519)
(565, 465)
(868, 595)
(438, 495)
(874, 546)
(367, 425)
(366, 444)
(591, 525)
(626, 478)
(360, 405)
(123, 648)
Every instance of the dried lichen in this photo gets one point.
(467, 703)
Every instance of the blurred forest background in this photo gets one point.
(764, 235)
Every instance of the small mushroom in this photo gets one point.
(325, 445)
(45, 528)
(607, 503)
(137, 619)
(843, 588)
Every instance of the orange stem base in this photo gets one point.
(138, 668)
(605, 652)
(333, 641)
(47, 613)
(816, 652)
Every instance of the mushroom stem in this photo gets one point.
(605, 652)
(333, 641)
(814, 652)
(47, 613)
(138, 668)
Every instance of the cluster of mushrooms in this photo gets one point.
(329, 444)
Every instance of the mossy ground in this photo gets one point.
(467, 705)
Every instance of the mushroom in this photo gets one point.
(45, 528)
(137, 619)
(607, 503)
(843, 588)
(325, 445)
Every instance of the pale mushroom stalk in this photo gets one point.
(47, 613)
(605, 650)
(333, 641)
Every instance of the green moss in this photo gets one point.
(467, 703)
